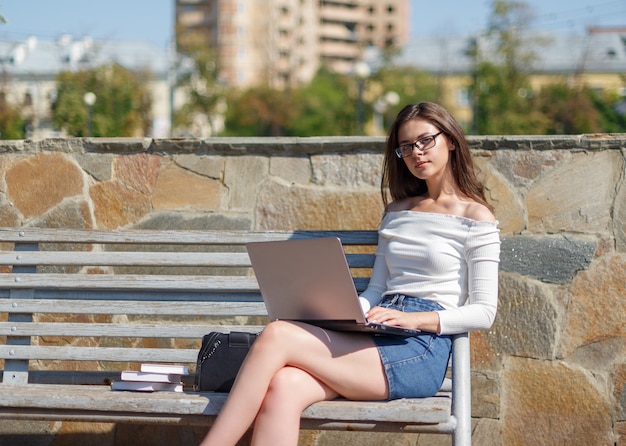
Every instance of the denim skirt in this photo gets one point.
(415, 366)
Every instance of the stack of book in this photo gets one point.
(152, 378)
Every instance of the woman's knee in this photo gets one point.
(286, 333)
(293, 387)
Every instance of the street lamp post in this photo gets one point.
(362, 72)
(380, 107)
(89, 99)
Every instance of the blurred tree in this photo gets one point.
(258, 111)
(325, 107)
(122, 106)
(12, 124)
(205, 97)
(408, 82)
(612, 111)
(501, 88)
(568, 110)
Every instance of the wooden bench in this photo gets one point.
(79, 306)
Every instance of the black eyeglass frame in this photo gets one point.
(403, 151)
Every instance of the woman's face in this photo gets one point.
(430, 158)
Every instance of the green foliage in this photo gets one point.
(502, 80)
(122, 106)
(205, 95)
(324, 107)
(11, 121)
(259, 111)
(568, 110)
(411, 85)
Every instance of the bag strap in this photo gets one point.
(240, 339)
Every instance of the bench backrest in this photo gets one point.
(79, 306)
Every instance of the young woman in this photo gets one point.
(436, 270)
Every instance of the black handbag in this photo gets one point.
(220, 358)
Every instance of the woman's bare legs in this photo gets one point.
(291, 391)
(340, 363)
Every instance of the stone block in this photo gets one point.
(347, 171)
(194, 222)
(485, 395)
(553, 259)
(33, 184)
(138, 171)
(340, 438)
(487, 432)
(573, 197)
(293, 170)
(482, 355)
(548, 403)
(98, 165)
(522, 167)
(210, 166)
(509, 205)
(597, 306)
(116, 206)
(600, 357)
(178, 188)
(619, 390)
(310, 208)
(620, 434)
(619, 217)
(9, 217)
(526, 323)
(243, 176)
(68, 214)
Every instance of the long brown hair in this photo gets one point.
(400, 182)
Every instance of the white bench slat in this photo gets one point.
(135, 282)
(60, 306)
(123, 258)
(133, 258)
(113, 354)
(128, 281)
(74, 329)
(173, 237)
(100, 398)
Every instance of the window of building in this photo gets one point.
(463, 97)
(391, 9)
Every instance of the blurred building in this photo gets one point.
(284, 42)
(596, 59)
(29, 69)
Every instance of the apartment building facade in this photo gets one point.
(283, 43)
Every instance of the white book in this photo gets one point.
(139, 386)
(168, 369)
(131, 375)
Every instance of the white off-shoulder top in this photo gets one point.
(444, 258)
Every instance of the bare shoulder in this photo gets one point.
(400, 205)
(479, 212)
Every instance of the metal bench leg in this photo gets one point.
(461, 390)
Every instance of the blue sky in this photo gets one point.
(152, 19)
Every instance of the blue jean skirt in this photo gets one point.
(415, 366)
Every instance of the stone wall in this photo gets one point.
(552, 370)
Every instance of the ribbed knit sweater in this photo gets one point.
(444, 258)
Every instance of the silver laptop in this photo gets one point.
(309, 281)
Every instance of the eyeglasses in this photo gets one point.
(422, 144)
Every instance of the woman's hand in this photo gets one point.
(423, 321)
